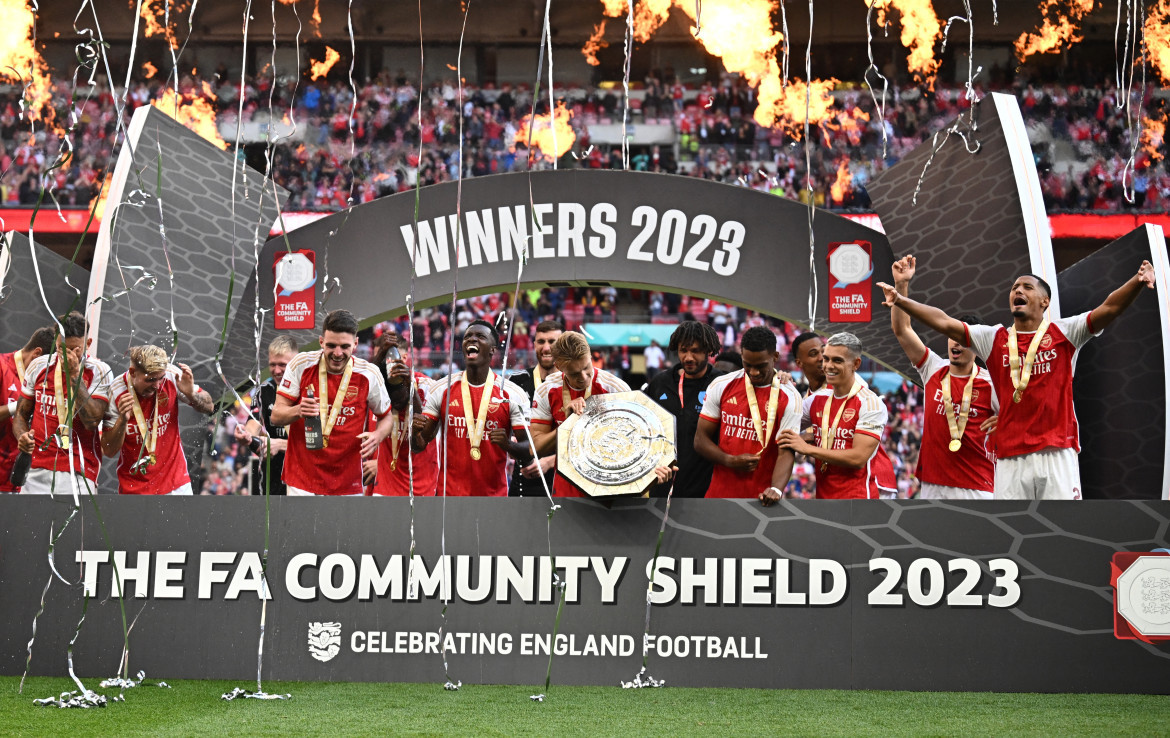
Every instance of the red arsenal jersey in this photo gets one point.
(10, 383)
(170, 471)
(1044, 417)
(548, 410)
(727, 406)
(972, 466)
(463, 475)
(865, 413)
(396, 481)
(337, 468)
(85, 448)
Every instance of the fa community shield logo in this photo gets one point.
(324, 640)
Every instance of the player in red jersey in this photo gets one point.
(12, 368)
(143, 432)
(806, 354)
(956, 461)
(564, 392)
(540, 475)
(396, 473)
(346, 390)
(847, 421)
(742, 419)
(63, 401)
(480, 435)
(1031, 365)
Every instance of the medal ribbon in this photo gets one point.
(63, 430)
(537, 377)
(331, 414)
(396, 428)
(18, 357)
(1020, 378)
(566, 398)
(477, 424)
(828, 434)
(149, 437)
(763, 433)
(957, 425)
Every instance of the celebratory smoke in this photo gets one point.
(1058, 30)
(21, 63)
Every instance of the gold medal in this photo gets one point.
(829, 434)
(393, 464)
(153, 460)
(957, 423)
(477, 420)
(334, 412)
(763, 430)
(1021, 375)
(63, 430)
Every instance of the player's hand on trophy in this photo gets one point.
(903, 269)
(26, 442)
(500, 436)
(1145, 274)
(988, 426)
(577, 405)
(309, 407)
(665, 473)
(744, 462)
(126, 407)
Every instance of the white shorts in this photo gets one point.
(298, 492)
(1051, 474)
(47, 481)
(183, 489)
(930, 491)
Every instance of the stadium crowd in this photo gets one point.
(1080, 138)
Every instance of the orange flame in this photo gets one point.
(20, 62)
(921, 30)
(1057, 32)
(98, 203)
(849, 122)
(198, 114)
(542, 133)
(1153, 136)
(321, 68)
(150, 70)
(154, 13)
(741, 33)
(1158, 38)
(595, 44)
(843, 184)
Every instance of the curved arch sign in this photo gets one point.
(579, 228)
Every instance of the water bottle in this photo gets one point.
(392, 356)
(313, 437)
(20, 469)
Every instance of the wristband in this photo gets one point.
(779, 492)
(12, 408)
(255, 445)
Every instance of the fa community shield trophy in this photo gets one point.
(613, 447)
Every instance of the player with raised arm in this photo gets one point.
(1031, 365)
(956, 461)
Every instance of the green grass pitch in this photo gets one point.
(192, 708)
